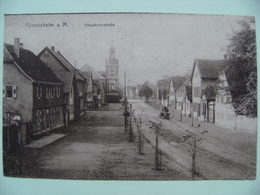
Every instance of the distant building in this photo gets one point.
(175, 83)
(98, 83)
(184, 98)
(166, 90)
(131, 92)
(31, 91)
(162, 91)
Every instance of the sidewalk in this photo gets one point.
(44, 141)
(232, 137)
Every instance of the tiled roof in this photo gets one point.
(58, 56)
(66, 78)
(31, 65)
(210, 69)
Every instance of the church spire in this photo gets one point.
(112, 51)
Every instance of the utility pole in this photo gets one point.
(125, 103)
(131, 112)
(139, 129)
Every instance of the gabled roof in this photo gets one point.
(178, 81)
(31, 65)
(64, 62)
(95, 74)
(209, 69)
(163, 84)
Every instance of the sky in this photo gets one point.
(148, 46)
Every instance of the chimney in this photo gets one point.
(17, 47)
(52, 48)
(58, 52)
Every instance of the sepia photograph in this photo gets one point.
(129, 96)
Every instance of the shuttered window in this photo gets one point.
(10, 91)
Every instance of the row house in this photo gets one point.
(184, 98)
(88, 97)
(166, 90)
(31, 91)
(162, 91)
(74, 82)
(175, 83)
(97, 87)
(205, 76)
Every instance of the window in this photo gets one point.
(111, 72)
(58, 95)
(47, 92)
(9, 91)
(112, 86)
(56, 91)
(39, 92)
(50, 92)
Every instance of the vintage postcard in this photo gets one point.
(120, 96)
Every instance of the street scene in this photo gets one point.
(130, 97)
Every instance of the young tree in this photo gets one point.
(145, 91)
(241, 69)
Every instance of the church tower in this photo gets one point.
(112, 75)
